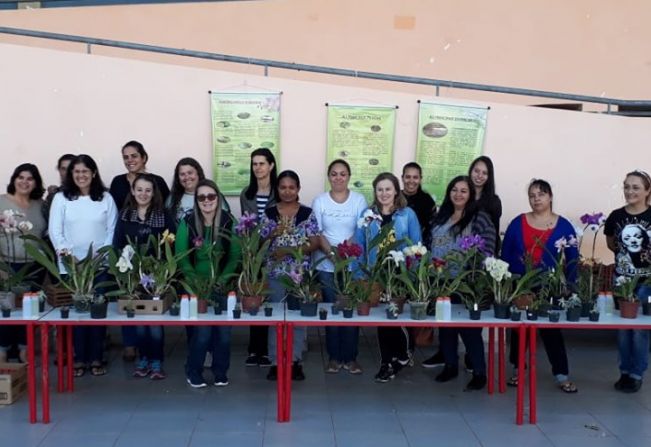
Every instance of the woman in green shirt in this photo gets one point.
(209, 230)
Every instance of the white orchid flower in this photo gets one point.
(25, 226)
(124, 265)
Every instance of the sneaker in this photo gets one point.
(297, 371)
(477, 382)
(353, 367)
(385, 374)
(273, 373)
(263, 361)
(157, 374)
(221, 381)
(623, 382)
(142, 369)
(468, 362)
(333, 367)
(252, 360)
(196, 382)
(632, 386)
(448, 373)
(434, 361)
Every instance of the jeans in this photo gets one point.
(204, 338)
(258, 340)
(277, 294)
(633, 345)
(554, 344)
(449, 343)
(341, 341)
(129, 336)
(150, 342)
(89, 343)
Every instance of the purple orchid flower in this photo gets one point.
(147, 281)
(247, 222)
(473, 241)
(592, 219)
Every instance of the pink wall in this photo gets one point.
(69, 102)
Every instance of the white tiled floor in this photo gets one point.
(337, 410)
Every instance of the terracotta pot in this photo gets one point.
(628, 309)
(202, 306)
(375, 292)
(523, 302)
(251, 302)
(343, 302)
(363, 309)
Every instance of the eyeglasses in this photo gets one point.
(208, 197)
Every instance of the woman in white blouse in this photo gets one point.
(83, 213)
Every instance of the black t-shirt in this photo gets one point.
(632, 233)
(424, 206)
(120, 189)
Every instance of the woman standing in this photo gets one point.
(337, 212)
(458, 217)
(390, 204)
(23, 203)
(144, 216)
(297, 227)
(482, 174)
(627, 231)
(418, 200)
(208, 229)
(532, 236)
(254, 199)
(84, 214)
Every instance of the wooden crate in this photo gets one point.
(146, 307)
(57, 296)
(13, 382)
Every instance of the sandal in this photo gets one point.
(79, 370)
(568, 387)
(97, 370)
(513, 381)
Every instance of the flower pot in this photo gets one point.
(65, 313)
(308, 309)
(646, 308)
(237, 313)
(586, 307)
(554, 317)
(6, 313)
(8, 299)
(573, 314)
(474, 314)
(323, 315)
(81, 303)
(628, 309)
(268, 311)
(363, 309)
(532, 316)
(202, 306)
(516, 316)
(593, 316)
(293, 302)
(98, 310)
(502, 311)
(175, 311)
(253, 311)
(400, 302)
(418, 311)
(131, 313)
(249, 302)
(522, 302)
(343, 302)
(41, 306)
(217, 308)
(391, 315)
(348, 313)
(334, 309)
(375, 292)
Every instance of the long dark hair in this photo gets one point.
(156, 199)
(488, 192)
(198, 217)
(38, 190)
(71, 190)
(177, 189)
(252, 189)
(447, 207)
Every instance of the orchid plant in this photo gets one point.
(590, 269)
(345, 254)
(12, 227)
(122, 269)
(625, 287)
(555, 279)
(158, 265)
(254, 239)
(299, 277)
(504, 285)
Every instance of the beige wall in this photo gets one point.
(593, 47)
(68, 102)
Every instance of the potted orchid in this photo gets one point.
(590, 269)
(12, 230)
(625, 292)
(299, 277)
(121, 267)
(506, 286)
(158, 265)
(390, 283)
(468, 258)
(345, 254)
(208, 288)
(572, 307)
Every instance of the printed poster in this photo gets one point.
(241, 123)
(449, 138)
(363, 136)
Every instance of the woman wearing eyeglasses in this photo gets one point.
(209, 224)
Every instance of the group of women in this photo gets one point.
(81, 213)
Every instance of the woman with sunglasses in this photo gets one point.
(209, 230)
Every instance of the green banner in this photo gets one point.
(449, 139)
(241, 123)
(363, 136)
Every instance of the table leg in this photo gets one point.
(519, 411)
(60, 340)
(532, 375)
(500, 366)
(31, 373)
(70, 354)
(280, 365)
(491, 360)
(45, 371)
(289, 357)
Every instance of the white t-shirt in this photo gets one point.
(337, 221)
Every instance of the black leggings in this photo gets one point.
(394, 343)
(554, 347)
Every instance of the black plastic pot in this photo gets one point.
(516, 316)
(293, 302)
(217, 308)
(573, 314)
(131, 313)
(474, 314)
(391, 315)
(98, 310)
(334, 309)
(502, 311)
(646, 308)
(554, 317)
(65, 313)
(323, 315)
(268, 311)
(532, 316)
(308, 309)
(585, 309)
(348, 313)
(175, 311)
(237, 313)
(253, 312)
(593, 316)
(6, 313)
(41, 306)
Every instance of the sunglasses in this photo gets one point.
(208, 197)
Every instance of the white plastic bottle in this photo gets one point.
(230, 303)
(443, 309)
(35, 303)
(610, 303)
(27, 305)
(601, 303)
(194, 307)
(185, 307)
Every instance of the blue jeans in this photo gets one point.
(449, 341)
(89, 343)
(150, 341)
(277, 294)
(204, 338)
(633, 345)
(129, 336)
(341, 341)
